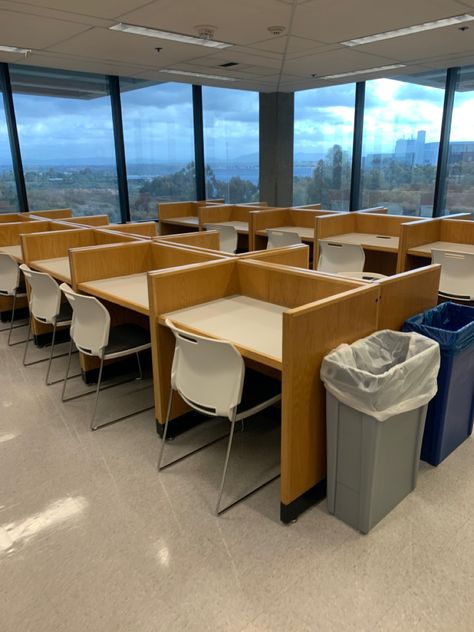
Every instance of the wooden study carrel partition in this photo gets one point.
(181, 216)
(285, 321)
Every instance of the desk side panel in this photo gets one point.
(329, 225)
(172, 290)
(54, 244)
(214, 214)
(203, 239)
(415, 234)
(308, 335)
(296, 256)
(166, 255)
(57, 213)
(144, 229)
(176, 209)
(10, 232)
(407, 294)
(89, 220)
(459, 231)
(267, 218)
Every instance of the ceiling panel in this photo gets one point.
(424, 45)
(124, 47)
(27, 31)
(19, 7)
(48, 60)
(103, 8)
(330, 21)
(286, 44)
(331, 62)
(239, 22)
(240, 58)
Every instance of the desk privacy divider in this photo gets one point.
(217, 213)
(208, 239)
(88, 220)
(57, 213)
(319, 312)
(138, 229)
(381, 256)
(282, 217)
(416, 238)
(181, 216)
(8, 218)
(314, 207)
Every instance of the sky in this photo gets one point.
(158, 122)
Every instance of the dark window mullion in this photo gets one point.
(199, 144)
(356, 172)
(114, 90)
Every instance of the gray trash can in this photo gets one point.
(377, 391)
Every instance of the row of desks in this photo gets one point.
(282, 319)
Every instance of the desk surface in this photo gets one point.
(188, 220)
(255, 327)
(13, 251)
(386, 243)
(57, 268)
(425, 249)
(305, 233)
(129, 291)
(240, 227)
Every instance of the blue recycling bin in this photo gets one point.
(451, 412)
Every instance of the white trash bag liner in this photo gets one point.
(385, 374)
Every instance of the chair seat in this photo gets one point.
(125, 338)
(258, 388)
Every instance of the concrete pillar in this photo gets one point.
(276, 148)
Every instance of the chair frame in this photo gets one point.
(15, 294)
(233, 417)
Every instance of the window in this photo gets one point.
(460, 181)
(231, 144)
(64, 124)
(8, 196)
(159, 145)
(324, 128)
(402, 125)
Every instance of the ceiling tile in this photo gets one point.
(19, 7)
(329, 21)
(27, 31)
(332, 62)
(295, 44)
(237, 22)
(47, 60)
(104, 8)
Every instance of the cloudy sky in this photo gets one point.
(158, 122)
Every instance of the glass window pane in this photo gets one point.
(8, 196)
(231, 144)
(402, 125)
(460, 184)
(64, 123)
(324, 129)
(159, 145)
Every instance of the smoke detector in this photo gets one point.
(205, 31)
(276, 30)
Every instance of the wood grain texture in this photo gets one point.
(10, 232)
(208, 239)
(57, 213)
(54, 243)
(309, 333)
(15, 217)
(407, 294)
(296, 256)
(88, 220)
(414, 234)
(141, 229)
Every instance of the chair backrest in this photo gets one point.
(281, 238)
(457, 273)
(45, 295)
(227, 236)
(338, 257)
(9, 274)
(90, 324)
(208, 374)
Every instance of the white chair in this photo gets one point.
(9, 286)
(338, 258)
(45, 307)
(92, 335)
(281, 238)
(457, 274)
(227, 236)
(209, 375)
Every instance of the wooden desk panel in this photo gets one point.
(57, 268)
(130, 291)
(382, 243)
(425, 249)
(13, 251)
(188, 220)
(254, 326)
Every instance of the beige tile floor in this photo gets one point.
(93, 540)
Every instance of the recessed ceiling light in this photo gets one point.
(14, 49)
(168, 35)
(409, 30)
(197, 74)
(362, 72)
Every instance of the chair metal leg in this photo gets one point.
(140, 374)
(27, 341)
(12, 319)
(165, 431)
(97, 392)
(51, 354)
(226, 463)
(67, 370)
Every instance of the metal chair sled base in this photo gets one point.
(98, 390)
(236, 418)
